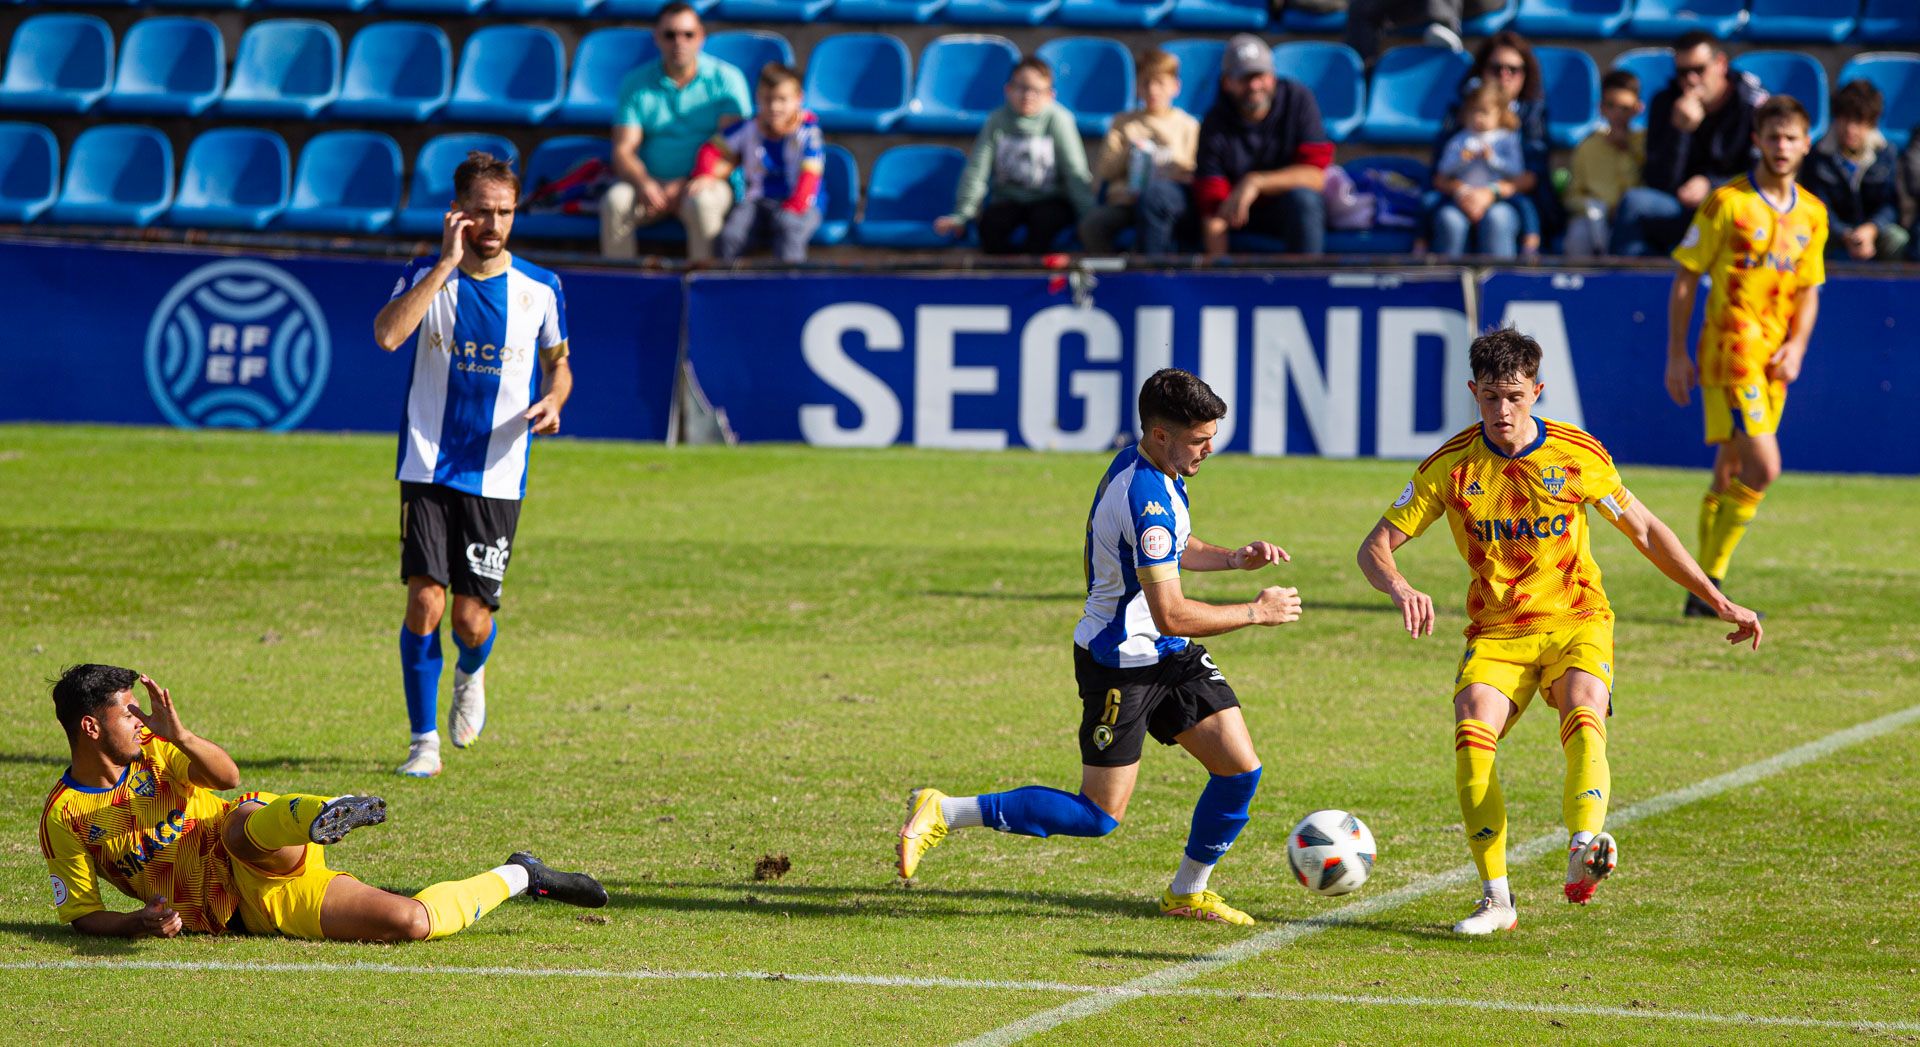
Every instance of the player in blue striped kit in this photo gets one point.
(1138, 673)
(489, 334)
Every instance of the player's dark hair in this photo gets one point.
(1504, 353)
(1178, 399)
(1859, 101)
(678, 7)
(82, 689)
(774, 75)
(1778, 108)
(1620, 80)
(1030, 64)
(481, 166)
(1694, 38)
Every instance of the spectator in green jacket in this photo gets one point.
(1028, 164)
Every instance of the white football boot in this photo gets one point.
(1494, 913)
(423, 760)
(469, 706)
(1587, 866)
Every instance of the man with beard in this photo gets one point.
(1263, 156)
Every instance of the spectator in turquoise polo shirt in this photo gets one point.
(668, 109)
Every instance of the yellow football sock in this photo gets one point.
(1709, 508)
(1483, 808)
(1738, 504)
(454, 905)
(1583, 801)
(284, 822)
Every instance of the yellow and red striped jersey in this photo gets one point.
(1758, 257)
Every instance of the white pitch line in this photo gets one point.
(898, 981)
(1177, 975)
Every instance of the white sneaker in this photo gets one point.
(1587, 866)
(1492, 914)
(469, 706)
(423, 761)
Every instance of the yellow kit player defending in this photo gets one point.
(1515, 491)
(136, 808)
(1760, 239)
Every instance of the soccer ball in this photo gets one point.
(1331, 852)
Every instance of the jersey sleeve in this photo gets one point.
(1704, 238)
(409, 276)
(76, 891)
(1812, 268)
(1156, 542)
(1601, 486)
(1419, 504)
(553, 326)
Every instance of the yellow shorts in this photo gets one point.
(286, 904)
(1752, 408)
(1521, 666)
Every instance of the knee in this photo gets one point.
(1307, 205)
(473, 621)
(410, 923)
(425, 604)
(618, 199)
(1449, 220)
(1501, 220)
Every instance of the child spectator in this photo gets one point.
(1605, 166)
(780, 154)
(1484, 158)
(1147, 164)
(1029, 155)
(1852, 172)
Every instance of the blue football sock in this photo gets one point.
(420, 675)
(1036, 810)
(472, 658)
(1221, 814)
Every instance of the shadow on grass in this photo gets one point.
(1140, 955)
(959, 594)
(773, 899)
(58, 934)
(303, 763)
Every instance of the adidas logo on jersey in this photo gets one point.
(1154, 509)
(1474, 489)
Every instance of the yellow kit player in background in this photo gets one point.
(1515, 490)
(135, 808)
(1760, 239)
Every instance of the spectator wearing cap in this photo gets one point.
(1029, 167)
(1852, 172)
(1263, 156)
(669, 107)
(1699, 134)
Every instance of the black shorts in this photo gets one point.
(457, 539)
(1119, 707)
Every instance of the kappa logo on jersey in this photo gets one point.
(488, 561)
(1156, 542)
(59, 892)
(1555, 479)
(1474, 490)
(237, 344)
(1153, 509)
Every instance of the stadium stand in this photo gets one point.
(749, 49)
(840, 190)
(1890, 21)
(911, 185)
(1413, 87)
(859, 82)
(58, 63)
(1578, 18)
(285, 68)
(601, 61)
(1654, 67)
(1378, 240)
(1222, 15)
(1133, 14)
(642, 10)
(999, 12)
(347, 182)
(431, 190)
(1333, 73)
(117, 174)
(169, 66)
(1572, 83)
(29, 171)
(544, 8)
(232, 178)
(1791, 73)
(1491, 22)
(1294, 20)
(509, 74)
(1823, 20)
(1667, 19)
(771, 10)
(553, 159)
(961, 80)
(1199, 71)
(1093, 77)
(911, 12)
(400, 71)
(1898, 78)
(433, 7)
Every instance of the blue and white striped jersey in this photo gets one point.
(1136, 532)
(476, 371)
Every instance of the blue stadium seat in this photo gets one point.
(1572, 85)
(117, 174)
(1487, 24)
(29, 172)
(1378, 241)
(509, 74)
(338, 6)
(910, 12)
(396, 71)
(1223, 15)
(999, 12)
(1119, 14)
(859, 81)
(749, 49)
(1591, 19)
(962, 78)
(1654, 67)
(286, 68)
(1199, 71)
(1296, 21)
(600, 63)
(1666, 19)
(841, 188)
(348, 182)
(1092, 77)
(201, 4)
(1791, 73)
(431, 189)
(1897, 75)
(552, 159)
(640, 9)
(911, 185)
(169, 66)
(1890, 21)
(1334, 74)
(1413, 87)
(770, 10)
(232, 178)
(432, 7)
(1827, 21)
(58, 64)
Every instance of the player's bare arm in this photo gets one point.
(1203, 556)
(1784, 364)
(212, 768)
(1681, 375)
(157, 920)
(1176, 615)
(1376, 562)
(544, 416)
(1656, 542)
(398, 319)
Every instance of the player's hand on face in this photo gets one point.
(163, 719)
(1416, 611)
(1255, 555)
(1278, 605)
(543, 417)
(1680, 379)
(158, 919)
(453, 236)
(1746, 625)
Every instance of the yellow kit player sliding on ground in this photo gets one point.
(136, 808)
(1515, 490)
(1761, 240)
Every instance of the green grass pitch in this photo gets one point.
(711, 655)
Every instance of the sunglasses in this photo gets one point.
(1507, 69)
(1684, 71)
(677, 34)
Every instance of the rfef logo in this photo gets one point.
(237, 344)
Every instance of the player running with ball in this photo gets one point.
(1137, 672)
(1515, 489)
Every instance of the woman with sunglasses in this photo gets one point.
(1495, 219)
